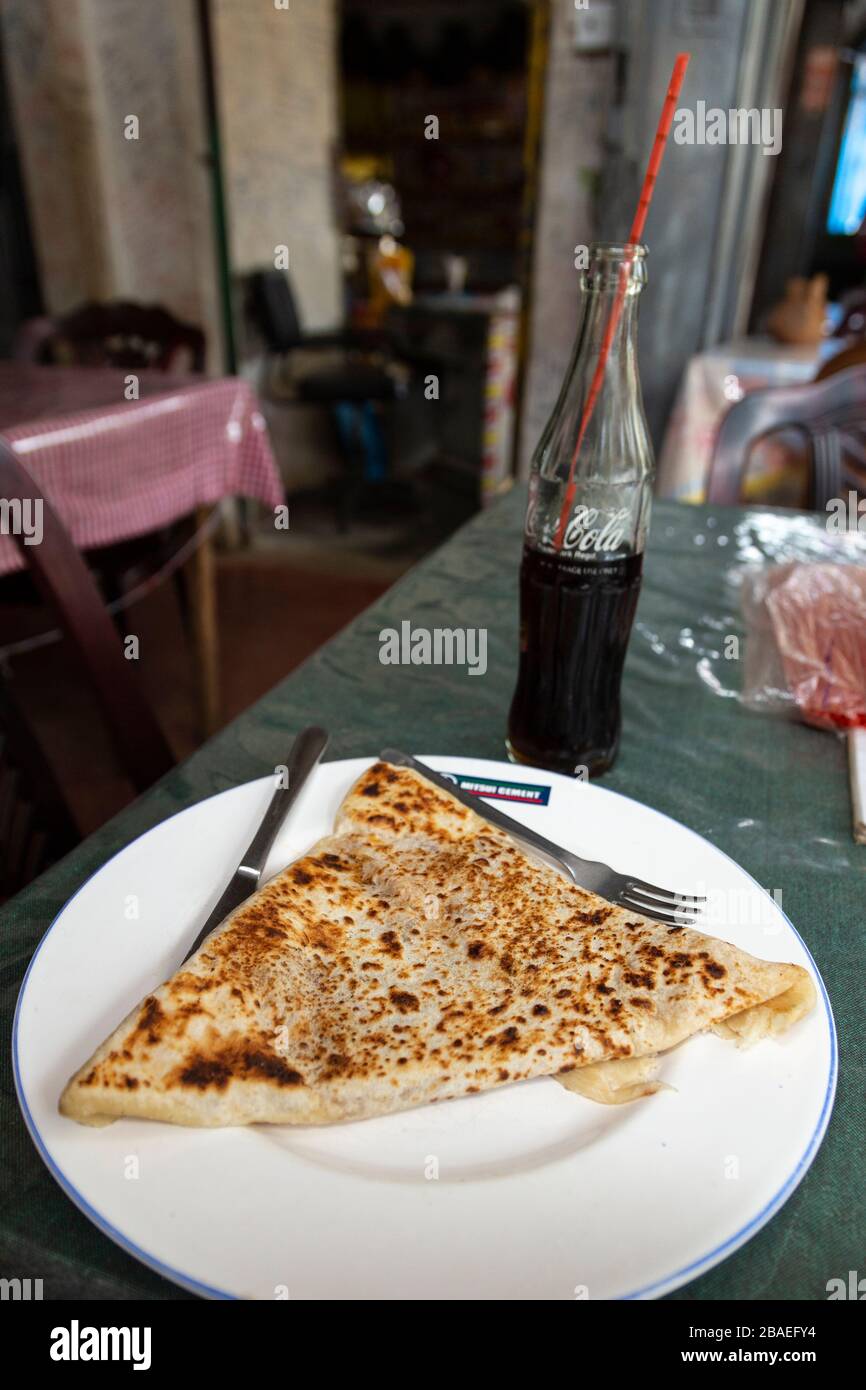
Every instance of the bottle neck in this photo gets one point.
(593, 466)
(597, 428)
(600, 304)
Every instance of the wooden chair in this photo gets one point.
(831, 417)
(124, 334)
(31, 801)
(354, 390)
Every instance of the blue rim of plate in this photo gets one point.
(657, 1288)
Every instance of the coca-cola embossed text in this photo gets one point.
(589, 529)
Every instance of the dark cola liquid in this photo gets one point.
(575, 620)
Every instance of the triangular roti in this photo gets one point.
(415, 955)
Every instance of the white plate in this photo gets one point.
(539, 1194)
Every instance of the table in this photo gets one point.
(115, 468)
(772, 795)
(712, 382)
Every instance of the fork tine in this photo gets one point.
(669, 919)
(649, 890)
(680, 918)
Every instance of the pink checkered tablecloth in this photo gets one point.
(113, 468)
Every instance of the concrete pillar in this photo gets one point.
(276, 73)
(115, 217)
(577, 95)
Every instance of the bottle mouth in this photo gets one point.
(617, 251)
(611, 263)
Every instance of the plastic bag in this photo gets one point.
(806, 641)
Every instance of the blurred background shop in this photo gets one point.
(336, 243)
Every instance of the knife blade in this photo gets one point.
(307, 750)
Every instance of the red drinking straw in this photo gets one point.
(637, 226)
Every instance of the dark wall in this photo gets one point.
(20, 296)
(682, 224)
(801, 188)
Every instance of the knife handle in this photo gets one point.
(307, 749)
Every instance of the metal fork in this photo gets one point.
(675, 909)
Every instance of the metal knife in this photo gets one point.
(307, 749)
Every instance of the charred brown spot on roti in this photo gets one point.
(638, 979)
(403, 1000)
(337, 1065)
(150, 1019)
(269, 1066)
(203, 1072)
(237, 1062)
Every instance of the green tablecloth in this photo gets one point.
(771, 794)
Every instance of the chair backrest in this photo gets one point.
(272, 306)
(124, 334)
(69, 589)
(853, 356)
(853, 321)
(831, 416)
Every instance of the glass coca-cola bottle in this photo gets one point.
(586, 527)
